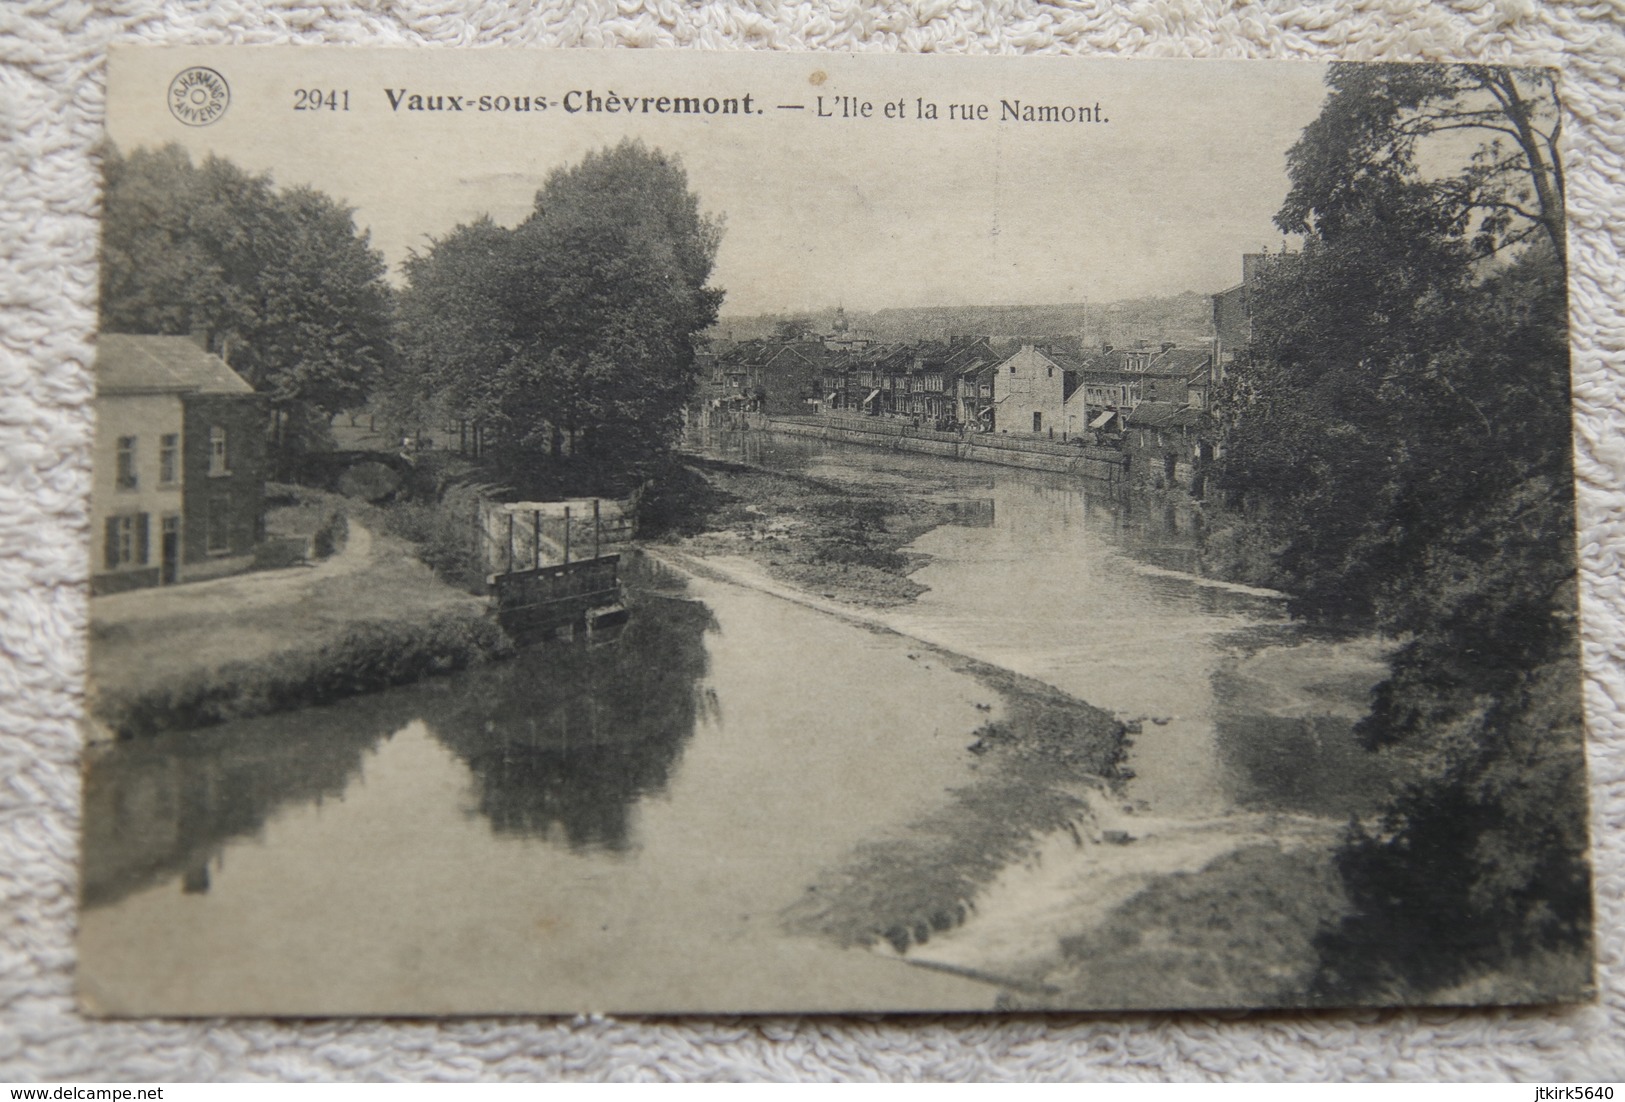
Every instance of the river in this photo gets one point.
(619, 826)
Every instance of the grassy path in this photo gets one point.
(177, 638)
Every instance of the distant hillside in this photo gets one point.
(1184, 317)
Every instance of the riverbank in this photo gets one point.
(1238, 933)
(1044, 878)
(1205, 880)
(838, 548)
(1040, 758)
(1040, 766)
(369, 617)
(677, 784)
(921, 716)
(385, 610)
(1043, 758)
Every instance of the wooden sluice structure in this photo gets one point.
(552, 570)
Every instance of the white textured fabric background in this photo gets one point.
(52, 57)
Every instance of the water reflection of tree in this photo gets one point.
(1287, 742)
(1160, 533)
(164, 807)
(562, 735)
(563, 740)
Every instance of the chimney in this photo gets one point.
(1250, 265)
(1166, 345)
(200, 337)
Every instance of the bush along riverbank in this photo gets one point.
(369, 615)
(394, 596)
(367, 657)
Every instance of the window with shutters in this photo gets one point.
(126, 463)
(126, 541)
(218, 524)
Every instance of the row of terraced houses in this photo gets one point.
(1146, 396)
(964, 382)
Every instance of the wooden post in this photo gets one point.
(566, 535)
(510, 543)
(595, 528)
(536, 523)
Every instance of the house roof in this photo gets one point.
(961, 356)
(137, 363)
(979, 368)
(1181, 361)
(1116, 361)
(1151, 361)
(963, 352)
(1154, 414)
(764, 353)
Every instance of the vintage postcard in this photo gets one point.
(675, 532)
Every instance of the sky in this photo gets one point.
(822, 206)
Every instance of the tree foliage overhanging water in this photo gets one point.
(1399, 445)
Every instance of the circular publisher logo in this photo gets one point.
(198, 96)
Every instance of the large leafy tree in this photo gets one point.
(1399, 438)
(456, 319)
(1480, 140)
(278, 282)
(572, 333)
